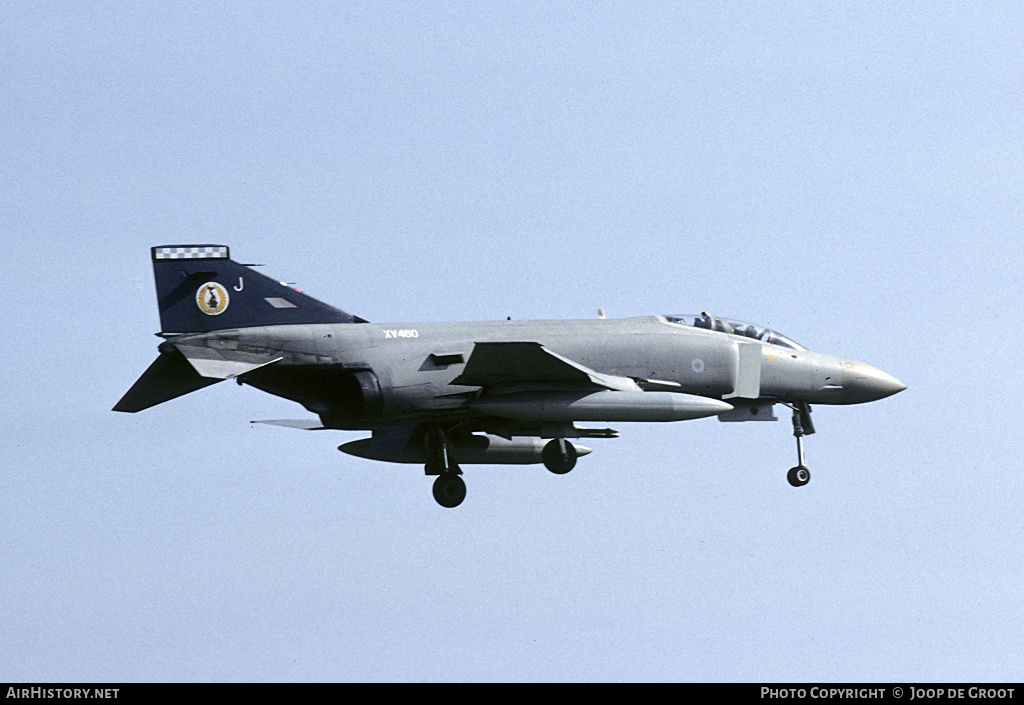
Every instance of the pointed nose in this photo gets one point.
(865, 383)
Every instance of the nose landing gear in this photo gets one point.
(802, 426)
(798, 476)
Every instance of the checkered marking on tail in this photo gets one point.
(209, 252)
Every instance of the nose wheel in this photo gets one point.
(798, 476)
(802, 426)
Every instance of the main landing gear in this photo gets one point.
(559, 456)
(449, 490)
(802, 426)
(449, 487)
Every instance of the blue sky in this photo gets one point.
(852, 176)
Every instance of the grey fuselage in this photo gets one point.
(367, 375)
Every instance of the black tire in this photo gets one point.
(555, 461)
(449, 490)
(798, 476)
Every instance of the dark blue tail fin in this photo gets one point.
(199, 288)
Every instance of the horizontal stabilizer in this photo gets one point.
(223, 364)
(509, 364)
(169, 376)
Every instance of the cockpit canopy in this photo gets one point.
(747, 330)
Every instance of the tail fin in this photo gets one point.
(200, 289)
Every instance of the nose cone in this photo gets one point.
(865, 383)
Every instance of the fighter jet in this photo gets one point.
(446, 395)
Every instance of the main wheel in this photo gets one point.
(449, 490)
(798, 476)
(559, 456)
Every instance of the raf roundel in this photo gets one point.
(697, 365)
(212, 299)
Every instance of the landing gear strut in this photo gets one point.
(449, 488)
(802, 426)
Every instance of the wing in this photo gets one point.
(529, 364)
(526, 382)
